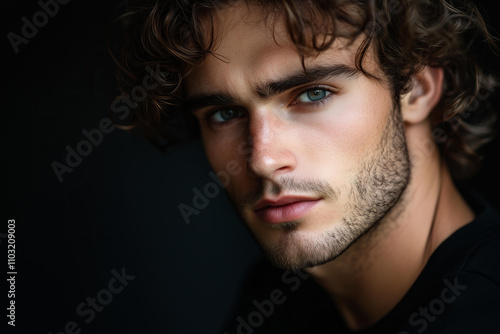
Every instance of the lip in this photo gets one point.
(284, 209)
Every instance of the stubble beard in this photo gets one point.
(376, 189)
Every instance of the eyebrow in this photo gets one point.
(272, 88)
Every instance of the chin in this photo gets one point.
(295, 249)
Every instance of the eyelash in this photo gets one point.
(328, 91)
(210, 113)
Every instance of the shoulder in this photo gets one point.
(474, 248)
(459, 289)
(481, 240)
(484, 259)
(273, 301)
(471, 290)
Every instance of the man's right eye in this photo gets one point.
(224, 115)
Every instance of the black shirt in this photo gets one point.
(458, 291)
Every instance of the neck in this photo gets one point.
(370, 278)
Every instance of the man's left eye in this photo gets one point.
(313, 95)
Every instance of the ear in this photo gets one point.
(426, 92)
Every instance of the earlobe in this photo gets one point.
(424, 96)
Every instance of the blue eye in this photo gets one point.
(225, 115)
(313, 95)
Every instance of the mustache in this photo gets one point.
(318, 188)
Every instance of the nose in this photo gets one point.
(271, 150)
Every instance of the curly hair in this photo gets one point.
(406, 35)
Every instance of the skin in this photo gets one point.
(385, 201)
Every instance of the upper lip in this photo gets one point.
(284, 200)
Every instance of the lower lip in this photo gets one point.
(285, 213)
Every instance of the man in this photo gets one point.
(345, 122)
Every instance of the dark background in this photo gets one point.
(118, 208)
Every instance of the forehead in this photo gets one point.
(252, 47)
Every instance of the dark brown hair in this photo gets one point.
(172, 36)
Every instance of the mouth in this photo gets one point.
(284, 209)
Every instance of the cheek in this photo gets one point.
(345, 135)
(227, 157)
(219, 153)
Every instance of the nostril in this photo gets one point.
(282, 169)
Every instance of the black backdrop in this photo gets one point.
(117, 211)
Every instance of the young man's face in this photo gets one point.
(320, 157)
